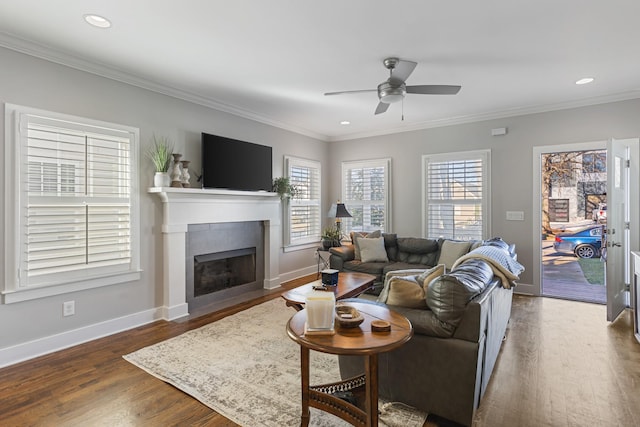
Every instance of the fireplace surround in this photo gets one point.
(182, 207)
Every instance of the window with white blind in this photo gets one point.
(456, 195)
(303, 217)
(75, 224)
(366, 195)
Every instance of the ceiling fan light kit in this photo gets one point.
(394, 88)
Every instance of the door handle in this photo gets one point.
(614, 244)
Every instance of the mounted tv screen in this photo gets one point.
(235, 165)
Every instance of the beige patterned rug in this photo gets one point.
(247, 369)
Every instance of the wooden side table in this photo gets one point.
(360, 341)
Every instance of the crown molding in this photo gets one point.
(69, 60)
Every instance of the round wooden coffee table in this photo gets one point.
(350, 341)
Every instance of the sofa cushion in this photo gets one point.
(355, 235)
(415, 250)
(391, 245)
(374, 268)
(449, 294)
(393, 266)
(451, 250)
(372, 250)
(406, 292)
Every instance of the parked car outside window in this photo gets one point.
(583, 243)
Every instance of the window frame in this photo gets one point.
(15, 289)
(384, 163)
(291, 243)
(485, 157)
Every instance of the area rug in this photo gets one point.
(246, 368)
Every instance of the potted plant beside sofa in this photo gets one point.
(330, 237)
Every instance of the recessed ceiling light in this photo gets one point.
(584, 81)
(97, 20)
(345, 122)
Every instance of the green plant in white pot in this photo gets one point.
(284, 188)
(160, 154)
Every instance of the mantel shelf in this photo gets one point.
(168, 193)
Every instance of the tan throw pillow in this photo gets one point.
(372, 250)
(425, 278)
(406, 292)
(451, 251)
(355, 236)
(396, 273)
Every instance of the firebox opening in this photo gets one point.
(223, 270)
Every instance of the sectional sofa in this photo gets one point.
(459, 315)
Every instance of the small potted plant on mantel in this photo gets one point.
(160, 154)
(330, 237)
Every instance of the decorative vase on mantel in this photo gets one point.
(185, 174)
(161, 179)
(176, 172)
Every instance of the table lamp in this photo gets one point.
(339, 211)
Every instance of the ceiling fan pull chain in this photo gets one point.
(403, 109)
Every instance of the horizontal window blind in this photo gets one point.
(365, 194)
(304, 220)
(78, 185)
(456, 197)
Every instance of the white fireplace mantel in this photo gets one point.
(184, 206)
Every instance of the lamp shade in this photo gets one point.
(341, 211)
(338, 210)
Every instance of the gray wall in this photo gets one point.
(511, 162)
(32, 82)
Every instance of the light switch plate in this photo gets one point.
(515, 216)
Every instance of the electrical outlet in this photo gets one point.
(68, 308)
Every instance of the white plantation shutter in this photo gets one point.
(77, 212)
(365, 193)
(456, 195)
(304, 219)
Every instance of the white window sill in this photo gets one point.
(301, 247)
(27, 294)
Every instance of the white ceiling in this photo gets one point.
(273, 60)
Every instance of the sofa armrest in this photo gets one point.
(345, 252)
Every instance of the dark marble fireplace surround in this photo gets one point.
(230, 241)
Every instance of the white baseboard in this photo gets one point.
(29, 350)
(526, 289)
(175, 312)
(291, 275)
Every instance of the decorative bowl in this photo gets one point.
(348, 317)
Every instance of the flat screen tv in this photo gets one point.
(235, 165)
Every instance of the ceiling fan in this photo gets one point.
(394, 88)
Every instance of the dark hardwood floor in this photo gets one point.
(561, 365)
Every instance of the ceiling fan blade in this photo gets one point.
(434, 89)
(402, 71)
(382, 107)
(350, 91)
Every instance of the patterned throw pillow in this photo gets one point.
(356, 235)
(372, 250)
